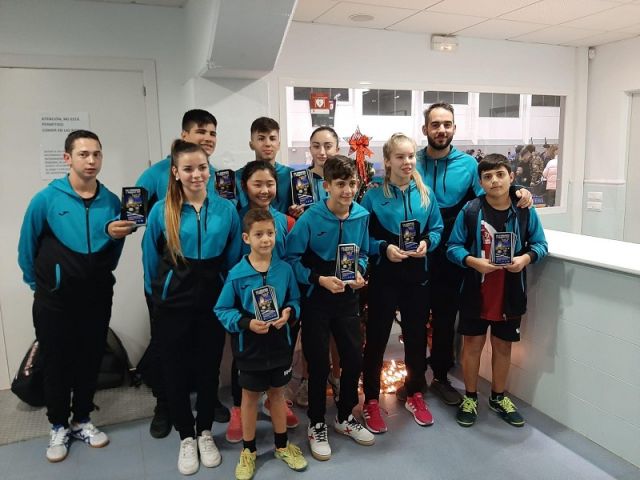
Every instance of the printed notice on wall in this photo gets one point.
(54, 128)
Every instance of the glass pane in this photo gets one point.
(321, 90)
(485, 104)
(551, 101)
(512, 105)
(343, 92)
(387, 102)
(370, 102)
(430, 97)
(461, 98)
(403, 102)
(446, 97)
(301, 93)
(498, 105)
(537, 100)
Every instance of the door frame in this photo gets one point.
(52, 62)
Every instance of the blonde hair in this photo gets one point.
(175, 199)
(387, 149)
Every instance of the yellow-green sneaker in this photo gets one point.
(292, 456)
(246, 465)
(504, 407)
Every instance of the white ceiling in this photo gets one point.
(576, 23)
(156, 3)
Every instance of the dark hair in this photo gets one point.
(75, 135)
(255, 215)
(198, 118)
(324, 128)
(254, 166)
(433, 106)
(264, 125)
(340, 168)
(493, 161)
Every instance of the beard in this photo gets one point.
(439, 146)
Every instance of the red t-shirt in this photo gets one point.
(492, 284)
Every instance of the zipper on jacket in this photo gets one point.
(199, 237)
(86, 210)
(435, 173)
(404, 203)
(340, 232)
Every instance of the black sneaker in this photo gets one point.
(504, 407)
(221, 414)
(467, 412)
(160, 423)
(446, 392)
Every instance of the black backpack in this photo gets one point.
(28, 383)
(115, 371)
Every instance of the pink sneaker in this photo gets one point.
(234, 429)
(372, 417)
(292, 419)
(421, 414)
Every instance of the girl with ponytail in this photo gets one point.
(398, 277)
(191, 241)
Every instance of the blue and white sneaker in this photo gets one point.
(89, 434)
(58, 444)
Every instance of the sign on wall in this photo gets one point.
(54, 128)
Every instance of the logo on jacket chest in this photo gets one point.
(63, 213)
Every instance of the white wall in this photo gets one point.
(323, 55)
(580, 349)
(613, 74)
(72, 28)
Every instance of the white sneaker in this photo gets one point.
(354, 429)
(188, 457)
(58, 444)
(209, 454)
(89, 434)
(318, 441)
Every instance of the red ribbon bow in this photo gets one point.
(359, 144)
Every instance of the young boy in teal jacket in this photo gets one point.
(262, 347)
(492, 295)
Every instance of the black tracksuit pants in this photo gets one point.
(325, 314)
(190, 340)
(385, 295)
(446, 280)
(71, 328)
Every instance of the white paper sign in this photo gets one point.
(54, 128)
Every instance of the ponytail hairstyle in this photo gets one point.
(175, 199)
(387, 150)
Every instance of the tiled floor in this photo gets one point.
(491, 449)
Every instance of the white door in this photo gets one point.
(116, 106)
(632, 203)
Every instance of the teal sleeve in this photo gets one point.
(228, 315)
(456, 250)
(537, 239)
(34, 220)
(150, 253)
(233, 248)
(435, 226)
(296, 245)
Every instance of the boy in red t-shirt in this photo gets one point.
(493, 295)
